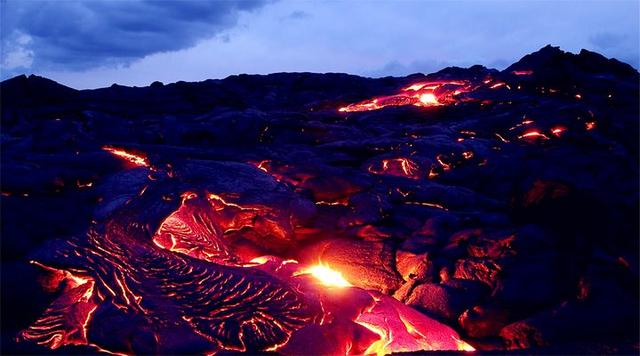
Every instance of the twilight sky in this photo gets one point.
(94, 43)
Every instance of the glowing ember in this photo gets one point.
(590, 125)
(136, 160)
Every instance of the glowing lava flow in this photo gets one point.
(135, 160)
(399, 167)
(326, 275)
(558, 130)
(533, 135)
(398, 327)
(187, 276)
(65, 321)
(425, 94)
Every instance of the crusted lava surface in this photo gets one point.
(302, 213)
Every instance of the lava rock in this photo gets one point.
(446, 300)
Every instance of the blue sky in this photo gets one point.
(94, 43)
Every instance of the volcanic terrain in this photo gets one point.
(302, 213)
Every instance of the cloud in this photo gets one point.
(366, 38)
(17, 52)
(296, 15)
(76, 35)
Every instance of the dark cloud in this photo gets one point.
(82, 34)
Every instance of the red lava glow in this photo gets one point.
(426, 94)
(399, 167)
(134, 159)
(442, 161)
(522, 72)
(65, 321)
(533, 135)
(558, 130)
(198, 227)
(279, 172)
(431, 205)
(326, 276)
(83, 185)
(263, 165)
(501, 138)
(590, 125)
(396, 327)
(343, 202)
(298, 303)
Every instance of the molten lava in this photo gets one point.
(188, 275)
(327, 276)
(558, 130)
(399, 167)
(425, 94)
(534, 134)
(65, 322)
(131, 158)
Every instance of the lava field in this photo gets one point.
(325, 214)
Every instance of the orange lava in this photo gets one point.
(396, 327)
(558, 130)
(341, 318)
(399, 167)
(198, 227)
(65, 321)
(426, 94)
(325, 275)
(133, 159)
(533, 135)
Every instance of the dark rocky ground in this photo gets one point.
(515, 240)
